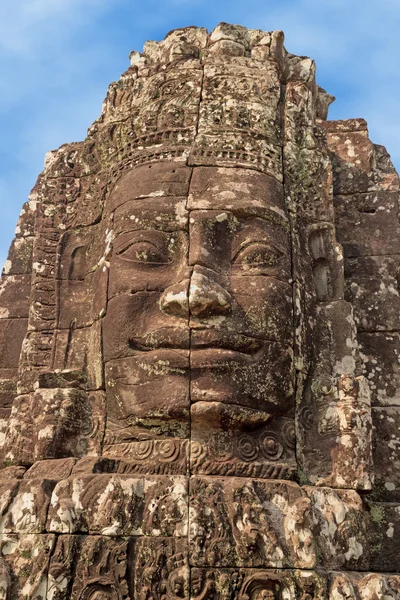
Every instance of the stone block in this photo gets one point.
(24, 565)
(372, 288)
(219, 188)
(149, 181)
(55, 423)
(253, 523)
(268, 584)
(160, 567)
(164, 456)
(119, 505)
(89, 567)
(14, 296)
(12, 333)
(386, 451)
(82, 302)
(79, 351)
(380, 355)
(352, 156)
(340, 528)
(367, 224)
(133, 400)
(24, 505)
(366, 586)
(54, 469)
(237, 441)
(384, 536)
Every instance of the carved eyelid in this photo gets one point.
(146, 236)
(248, 243)
(127, 245)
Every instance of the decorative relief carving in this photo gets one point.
(188, 349)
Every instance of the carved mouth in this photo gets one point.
(208, 348)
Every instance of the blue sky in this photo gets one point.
(58, 56)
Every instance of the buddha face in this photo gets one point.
(199, 316)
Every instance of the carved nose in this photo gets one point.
(206, 297)
(200, 297)
(174, 300)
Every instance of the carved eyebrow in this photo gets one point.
(266, 214)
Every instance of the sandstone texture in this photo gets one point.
(200, 343)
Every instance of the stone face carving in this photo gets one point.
(199, 357)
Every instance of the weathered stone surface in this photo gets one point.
(160, 568)
(367, 224)
(342, 538)
(14, 293)
(380, 355)
(372, 288)
(77, 350)
(386, 450)
(55, 423)
(24, 565)
(24, 505)
(118, 568)
(256, 523)
(88, 567)
(12, 333)
(119, 505)
(54, 469)
(257, 583)
(368, 586)
(383, 534)
(334, 413)
(199, 342)
(226, 450)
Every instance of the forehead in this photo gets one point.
(235, 189)
(159, 180)
(163, 194)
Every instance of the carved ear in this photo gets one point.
(77, 266)
(327, 262)
(73, 254)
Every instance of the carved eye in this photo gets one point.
(257, 254)
(143, 252)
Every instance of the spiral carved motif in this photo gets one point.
(144, 449)
(196, 450)
(270, 446)
(306, 417)
(247, 448)
(222, 449)
(289, 434)
(168, 450)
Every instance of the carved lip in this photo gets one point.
(170, 338)
(222, 415)
(213, 349)
(209, 348)
(225, 341)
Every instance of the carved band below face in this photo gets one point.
(199, 315)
